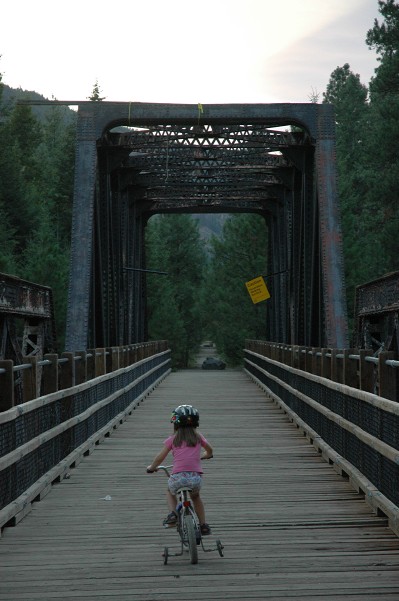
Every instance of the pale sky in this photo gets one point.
(184, 51)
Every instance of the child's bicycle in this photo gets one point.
(188, 526)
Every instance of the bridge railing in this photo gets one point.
(355, 430)
(357, 368)
(36, 377)
(41, 439)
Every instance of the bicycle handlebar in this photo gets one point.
(165, 468)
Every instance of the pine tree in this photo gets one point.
(8, 262)
(229, 314)
(1, 86)
(36, 188)
(384, 38)
(95, 94)
(46, 261)
(382, 159)
(174, 246)
(18, 174)
(349, 97)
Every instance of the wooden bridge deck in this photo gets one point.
(291, 526)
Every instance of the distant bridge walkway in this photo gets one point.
(293, 528)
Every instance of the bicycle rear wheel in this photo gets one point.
(189, 530)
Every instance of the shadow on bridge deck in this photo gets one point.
(291, 526)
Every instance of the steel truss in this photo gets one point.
(27, 327)
(135, 160)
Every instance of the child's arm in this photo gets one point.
(158, 459)
(208, 451)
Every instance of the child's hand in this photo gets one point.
(151, 470)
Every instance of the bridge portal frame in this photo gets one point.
(94, 118)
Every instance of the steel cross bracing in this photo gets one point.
(134, 160)
(206, 165)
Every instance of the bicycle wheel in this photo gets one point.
(189, 530)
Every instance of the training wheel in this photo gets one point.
(165, 556)
(220, 548)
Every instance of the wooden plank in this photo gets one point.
(292, 527)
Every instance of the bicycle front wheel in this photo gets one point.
(189, 530)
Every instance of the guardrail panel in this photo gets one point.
(38, 435)
(361, 427)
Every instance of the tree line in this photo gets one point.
(36, 191)
(204, 295)
(368, 156)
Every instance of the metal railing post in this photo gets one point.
(80, 367)
(91, 364)
(7, 385)
(351, 369)
(387, 376)
(50, 374)
(302, 358)
(67, 371)
(325, 363)
(316, 361)
(100, 369)
(30, 382)
(366, 371)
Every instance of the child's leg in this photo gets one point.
(171, 499)
(199, 507)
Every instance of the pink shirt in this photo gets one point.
(186, 459)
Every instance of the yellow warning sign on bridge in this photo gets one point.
(257, 289)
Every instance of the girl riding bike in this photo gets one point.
(185, 444)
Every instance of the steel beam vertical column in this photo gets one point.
(82, 232)
(129, 277)
(335, 326)
(125, 261)
(138, 287)
(296, 274)
(271, 333)
(309, 200)
(278, 278)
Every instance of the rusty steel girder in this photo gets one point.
(27, 325)
(377, 314)
(135, 159)
(31, 305)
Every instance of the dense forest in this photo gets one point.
(205, 290)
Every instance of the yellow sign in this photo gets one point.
(257, 289)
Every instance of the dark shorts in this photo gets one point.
(190, 480)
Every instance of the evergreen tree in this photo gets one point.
(1, 86)
(237, 257)
(57, 153)
(95, 94)
(27, 134)
(46, 261)
(367, 159)
(36, 189)
(382, 137)
(384, 38)
(17, 173)
(349, 97)
(174, 246)
(7, 244)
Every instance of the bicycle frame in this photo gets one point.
(188, 526)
